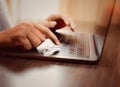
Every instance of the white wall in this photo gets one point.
(34, 9)
(81, 10)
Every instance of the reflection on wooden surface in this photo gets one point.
(17, 72)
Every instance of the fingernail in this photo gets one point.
(73, 29)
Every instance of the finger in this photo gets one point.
(25, 43)
(48, 33)
(49, 24)
(35, 41)
(35, 32)
(39, 35)
(67, 20)
(58, 16)
(72, 25)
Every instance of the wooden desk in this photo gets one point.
(19, 72)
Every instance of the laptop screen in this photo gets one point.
(91, 16)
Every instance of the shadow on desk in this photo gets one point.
(104, 74)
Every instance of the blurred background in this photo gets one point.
(93, 11)
(84, 10)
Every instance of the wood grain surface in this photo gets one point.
(23, 72)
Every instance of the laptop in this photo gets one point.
(75, 46)
(78, 47)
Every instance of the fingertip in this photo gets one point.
(73, 27)
(73, 30)
(66, 21)
(57, 43)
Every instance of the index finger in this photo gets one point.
(70, 22)
(47, 32)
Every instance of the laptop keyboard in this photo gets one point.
(71, 46)
(77, 45)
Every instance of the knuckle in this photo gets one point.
(47, 31)
(27, 24)
(21, 33)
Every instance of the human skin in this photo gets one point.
(31, 34)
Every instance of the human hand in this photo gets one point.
(58, 21)
(27, 35)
